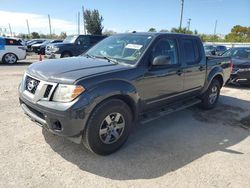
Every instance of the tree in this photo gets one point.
(239, 34)
(93, 22)
(109, 32)
(63, 35)
(35, 35)
(181, 30)
(152, 29)
(164, 30)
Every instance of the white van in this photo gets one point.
(11, 50)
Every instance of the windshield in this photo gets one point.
(122, 48)
(240, 53)
(70, 39)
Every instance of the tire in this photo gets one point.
(211, 96)
(9, 58)
(65, 54)
(110, 115)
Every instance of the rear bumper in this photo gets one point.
(68, 122)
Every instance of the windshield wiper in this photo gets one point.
(107, 58)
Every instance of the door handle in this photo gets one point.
(179, 72)
(201, 68)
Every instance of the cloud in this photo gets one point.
(38, 23)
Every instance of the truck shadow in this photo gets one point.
(164, 145)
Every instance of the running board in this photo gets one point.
(151, 116)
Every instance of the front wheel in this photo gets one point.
(211, 96)
(108, 127)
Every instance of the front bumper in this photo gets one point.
(67, 120)
(240, 75)
(51, 55)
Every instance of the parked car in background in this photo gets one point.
(214, 49)
(33, 42)
(40, 47)
(95, 98)
(11, 50)
(73, 45)
(209, 49)
(241, 63)
(220, 49)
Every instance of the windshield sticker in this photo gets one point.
(134, 46)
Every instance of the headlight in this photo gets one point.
(54, 49)
(67, 93)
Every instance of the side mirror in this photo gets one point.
(161, 61)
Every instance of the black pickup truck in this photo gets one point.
(95, 98)
(72, 45)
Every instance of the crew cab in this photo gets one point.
(11, 50)
(96, 98)
(72, 45)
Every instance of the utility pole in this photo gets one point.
(10, 30)
(28, 26)
(50, 31)
(78, 23)
(182, 6)
(84, 26)
(215, 28)
(189, 23)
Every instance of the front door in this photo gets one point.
(162, 82)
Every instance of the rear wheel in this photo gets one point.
(210, 98)
(9, 58)
(108, 127)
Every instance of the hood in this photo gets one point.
(68, 70)
(241, 63)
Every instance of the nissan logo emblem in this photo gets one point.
(31, 85)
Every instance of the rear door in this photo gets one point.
(194, 64)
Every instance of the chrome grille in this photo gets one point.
(36, 89)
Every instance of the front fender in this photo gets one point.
(109, 89)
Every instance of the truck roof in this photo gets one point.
(159, 33)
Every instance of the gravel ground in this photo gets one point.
(190, 148)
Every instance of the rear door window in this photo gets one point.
(191, 51)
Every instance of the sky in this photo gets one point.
(125, 15)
